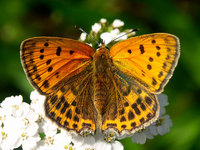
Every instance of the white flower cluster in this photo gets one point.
(25, 125)
(108, 33)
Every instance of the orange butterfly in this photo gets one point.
(108, 90)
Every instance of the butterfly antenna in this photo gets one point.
(131, 31)
(80, 29)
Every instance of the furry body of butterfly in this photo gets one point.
(106, 90)
(102, 75)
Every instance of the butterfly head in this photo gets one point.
(102, 45)
(102, 51)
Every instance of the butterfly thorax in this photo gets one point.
(102, 81)
(102, 61)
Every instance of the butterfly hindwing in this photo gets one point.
(130, 108)
(72, 107)
(150, 59)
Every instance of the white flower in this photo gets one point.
(122, 36)
(103, 21)
(62, 141)
(10, 133)
(163, 101)
(83, 36)
(118, 23)
(139, 137)
(46, 144)
(106, 37)
(161, 126)
(29, 139)
(30, 143)
(88, 143)
(109, 36)
(9, 143)
(102, 144)
(148, 134)
(116, 146)
(48, 128)
(36, 96)
(23, 127)
(153, 129)
(29, 131)
(78, 140)
(30, 117)
(12, 105)
(11, 101)
(3, 115)
(37, 103)
(2, 134)
(90, 44)
(96, 27)
(164, 124)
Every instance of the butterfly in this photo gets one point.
(106, 90)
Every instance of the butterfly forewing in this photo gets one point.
(48, 60)
(150, 59)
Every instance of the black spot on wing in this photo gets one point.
(141, 49)
(58, 51)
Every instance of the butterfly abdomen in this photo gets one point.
(100, 95)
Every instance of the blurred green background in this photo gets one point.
(22, 19)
